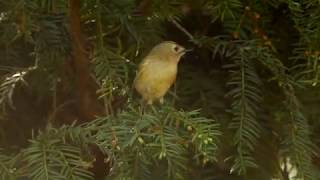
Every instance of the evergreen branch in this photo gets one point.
(9, 84)
(299, 146)
(7, 169)
(158, 137)
(246, 96)
(51, 159)
(223, 9)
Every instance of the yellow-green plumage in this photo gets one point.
(158, 71)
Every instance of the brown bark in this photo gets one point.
(86, 100)
(87, 103)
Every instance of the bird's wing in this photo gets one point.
(144, 64)
(142, 68)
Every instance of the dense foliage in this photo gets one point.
(244, 105)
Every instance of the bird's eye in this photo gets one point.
(176, 48)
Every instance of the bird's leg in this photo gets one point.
(142, 108)
(161, 100)
(149, 101)
(145, 103)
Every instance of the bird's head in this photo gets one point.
(168, 51)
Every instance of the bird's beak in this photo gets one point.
(187, 50)
(183, 52)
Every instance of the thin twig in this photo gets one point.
(182, 28)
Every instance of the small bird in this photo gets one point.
(158, 71)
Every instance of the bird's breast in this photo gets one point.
(163, 71)
(156, 78)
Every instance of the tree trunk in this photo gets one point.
(86, 100)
